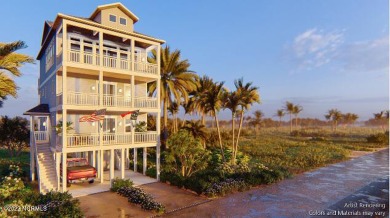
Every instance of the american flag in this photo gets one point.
(134, 114)
(95, 116)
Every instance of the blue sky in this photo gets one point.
(320, 54)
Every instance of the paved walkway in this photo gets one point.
(303, 195)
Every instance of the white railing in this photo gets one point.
(92, 139)
(145, 67)
(79, 98)
(116, 139)
(144, 137)
(123, 101)
(145, 102)
(109, 100)
(41, 136)
(76, 140)
(90, 58)
(74, 56)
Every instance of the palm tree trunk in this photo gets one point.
(296, 122)
(184, 120)
(280, 121)
(233, 149)
(290, 123)
(239, 131)
(219, 136)
(203, 119)
(165, 128)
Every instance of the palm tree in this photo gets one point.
(212, 104)
(249, 95)
(350, 118)
(204, 84)
(197, 129)
(11, 62)
(258, 118)
(174, 109)
(231, 101)
(380, 117)
(280, 113)
(188, 109)
(177, 81)
(296, 110)
(289, 108)
(334, 115)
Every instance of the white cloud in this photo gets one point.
(365, 57)
(314, 48)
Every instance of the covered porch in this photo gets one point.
(83, 189)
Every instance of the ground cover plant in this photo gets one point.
(124, 187)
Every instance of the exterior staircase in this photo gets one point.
(46, 169)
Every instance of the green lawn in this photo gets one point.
(6, 160)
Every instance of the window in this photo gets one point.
(50, 55)
(112, 18)
(123, 21)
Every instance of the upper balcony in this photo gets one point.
(83, 51)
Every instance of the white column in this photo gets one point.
(158, 118)
(58, 162)
(135, 159)
(122, 163)
(64, 179)
(32, 149)
(132, 91)
(100, 162)
(94, 158)
(112, 166)
(127, 158)
(132, 47)
(144, 164)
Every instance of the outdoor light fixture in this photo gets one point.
(120, 123)
(93, 88)
(93, 123)
(120, 90)
(44, 123)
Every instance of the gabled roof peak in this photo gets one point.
(118, 5)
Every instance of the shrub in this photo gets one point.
(138, 196)
(151, 172)
(225, 187)
(185, 155)
(58, 204)
(380, 138)
(118, 183)
(172, 178)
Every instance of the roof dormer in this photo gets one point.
(116, 16)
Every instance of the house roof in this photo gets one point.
(94, 23)
(118, 5)
(42, 109)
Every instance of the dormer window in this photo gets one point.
(112, 18)
(123, 21)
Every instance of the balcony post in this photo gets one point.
(64, 179)
(101, 49)
(112, 166)
(135, 160)
(100, 162)
(158, 118)
(144, 153)
(123, 163)
(132, 91)
(32, 149)
(82, 61)
(132, 47)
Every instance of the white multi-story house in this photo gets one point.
(89, 64)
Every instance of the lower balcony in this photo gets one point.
(92, 99)
(93, 139)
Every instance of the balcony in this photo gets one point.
(120, 62)
(92, 99)
(92, 139)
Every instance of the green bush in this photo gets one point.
(58, 204)
(151, 172)
(380, 138)
(226, 187)
(118, 183)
